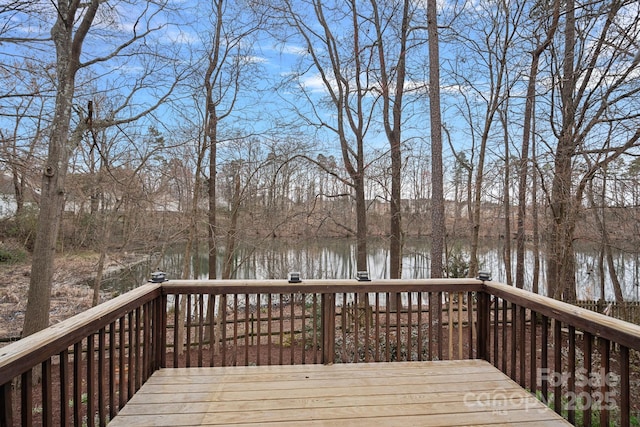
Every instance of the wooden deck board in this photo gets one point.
(445, 393)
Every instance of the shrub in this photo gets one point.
(9, 255)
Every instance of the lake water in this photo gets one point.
(335, 259)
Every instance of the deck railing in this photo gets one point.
(83, 371)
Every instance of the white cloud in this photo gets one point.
(294, 50)
(313, 83)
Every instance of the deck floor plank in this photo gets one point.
(444, 393)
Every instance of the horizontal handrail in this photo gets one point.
(30, 351)
(319, 286)
(599, 325)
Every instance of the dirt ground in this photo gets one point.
(71, 292)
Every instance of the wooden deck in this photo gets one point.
(443, 393)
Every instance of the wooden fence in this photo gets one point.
(629, 311)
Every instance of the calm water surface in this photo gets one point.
(335, 259)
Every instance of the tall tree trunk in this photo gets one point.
(103, 242)
(361, 223)
(68, 49)
(534, 210)
(211, 139)
(507, 200)
(605, 241)
(561, 262)
(438, 229)
(392, 118)
(232, 238)
(526, 136)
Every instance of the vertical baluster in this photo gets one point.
(161, 329)
(625, 395)
(176, 328)
(235, 330)
(419, 295)
(280, 355)
(571, 382)
(246, 329)
(6, 405)
(430, 307)
(259, 327)
(439, 311)
(223, 327)
(112, 370)
(147, 349)
(586, 380)
(387, 338)
(292, 327)
(376, 326)
(269, 326)
(303, 327)
(343, 326)
(137, 348)
(483, 330)
(460, 346)
(356, 327)
(409, 325)
(367, 329)
(201, 321)
(398, 326)
(315, 328)
(47, 394)
(557, 365)
(522, 349)
(213, 337)
(188, 331)
(605, 371)
(450, 323)
(102, 414)
(505, 327)
(544, 361)
(91, 375)
(496, 314)
(26, 398)
(471, 322)
(64, 387)
(533, 351)
(130, 357)
(514, 341)
(157, 334)
(122, 363)
(77, 383)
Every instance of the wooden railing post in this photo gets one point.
(328, 302)
(483, 325)
(6, 405)
(160, 327)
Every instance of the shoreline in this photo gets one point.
(71, 290)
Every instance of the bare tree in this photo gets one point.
(527, 135)
(438, 229)
(340, 61)
(599, 213)
(227, 61)
(595, 116)
(487, 40)
(392, 87)
(74, 21)
(25, 103)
